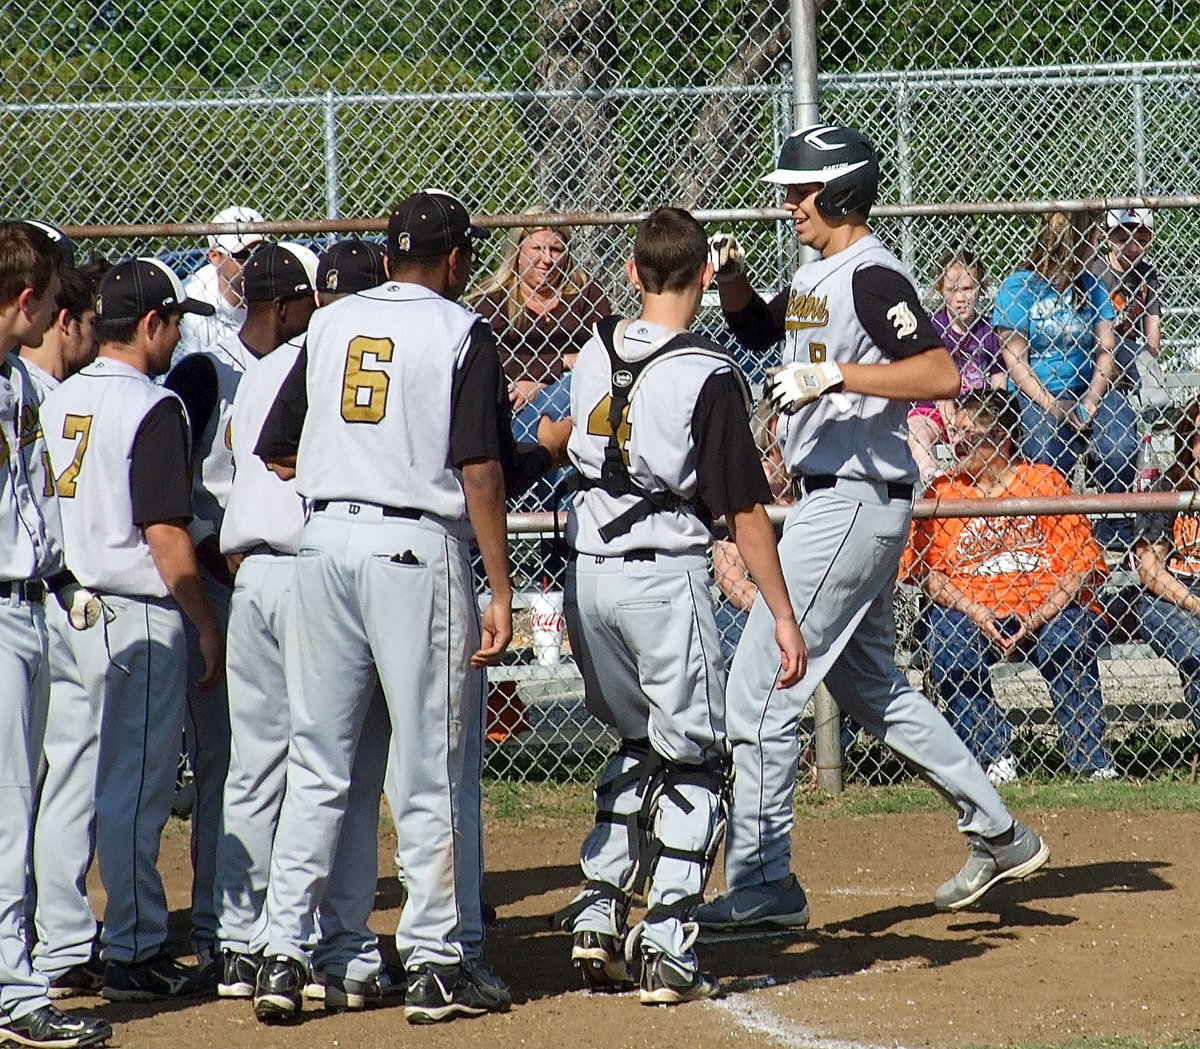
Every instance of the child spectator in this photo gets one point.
(972, 343)
(1054, 321)
(1168, 562)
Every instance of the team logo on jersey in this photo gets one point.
(331, 280)
(806, 311)
(622, 379)
(905, 323)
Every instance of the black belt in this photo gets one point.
(641, 554)
(26, 589)
(387, 511)
(815, 482)
(268, 549)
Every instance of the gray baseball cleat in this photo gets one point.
(780, 903)
(989, 864)
(600, 960)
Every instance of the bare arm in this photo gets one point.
(1153, 330)
(175, 558)
(1152, 571)
(1066, 592)
(732, 578)
(1106, 361)
(283, 467)
(483, 486)
(928, 376)
(754, 534)
(1015, 348)
(943, 591)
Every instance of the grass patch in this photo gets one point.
(525, 802)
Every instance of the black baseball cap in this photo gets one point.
(428, 224)
(349, 266)
(279, 271)
(133, 288)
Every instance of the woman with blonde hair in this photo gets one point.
(541, 305)
(1054, 321)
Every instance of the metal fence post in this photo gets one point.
(332, 189)
(805, 110)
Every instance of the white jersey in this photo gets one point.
(869, 442)
(91, 423)
(381, 369)
(213, 453)
(261, 507)
(658, 442)
(31, 535)
(198, 333)
(41, 380)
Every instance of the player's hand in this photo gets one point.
(212, 651)
(553, 435)
(233, 562)
(496, 630)
(727, 257)
(793, 386)
(84, 607)
(793, 653)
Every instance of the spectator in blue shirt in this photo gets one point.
(1054, 320)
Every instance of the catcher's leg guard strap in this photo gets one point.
(593, 892)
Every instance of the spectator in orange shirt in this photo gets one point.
(1006, 585)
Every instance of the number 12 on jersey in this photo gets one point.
(365, 388)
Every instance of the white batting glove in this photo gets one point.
(795, 385)
(83, 607)
(727, 258)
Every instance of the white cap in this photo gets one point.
(1131, 217)
(232, 243)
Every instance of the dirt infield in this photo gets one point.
(1104, 942)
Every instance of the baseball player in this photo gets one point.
(395, 422)
(70, 341)
(64, 806)
(278, 284)
(219, 283)
(264, 517)
(661, 438)
(120, 445)
(858, 350)
(31, 559)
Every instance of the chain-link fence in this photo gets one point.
(119, 113)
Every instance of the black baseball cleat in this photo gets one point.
(86, 978)
(239, 973)
(346, 995)
(437, 993)
(600, 960)
(49, 1028)
(159, 977)
(278, 990)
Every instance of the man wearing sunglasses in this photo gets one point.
(219, 283)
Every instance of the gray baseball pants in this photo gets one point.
(840, 552)
(647, 645)
(142, 666)
(206, 736)
(384, 601)
(64, 835)
(259, 721)
(25, 680)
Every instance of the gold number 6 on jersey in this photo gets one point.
(74, 426)
(364, 389)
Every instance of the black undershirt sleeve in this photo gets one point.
(194, 379)
(481, 417)
(759, 324)
(729, 473)
(160, 483)
(280, 434)
(889, 310)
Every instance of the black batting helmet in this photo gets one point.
(840, 158)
